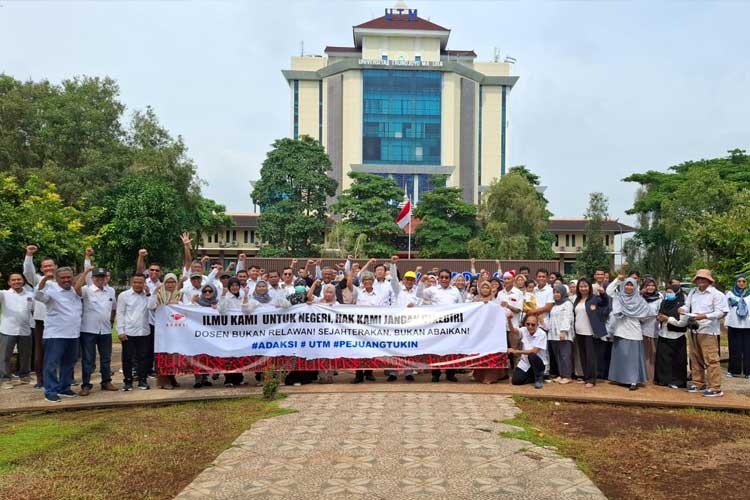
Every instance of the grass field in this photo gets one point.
(140, 452)
(634, 453)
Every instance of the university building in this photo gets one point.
(399, 103)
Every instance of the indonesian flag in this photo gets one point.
(404, 216)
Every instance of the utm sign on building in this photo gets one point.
(398, 103)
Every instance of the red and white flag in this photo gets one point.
(404, 216)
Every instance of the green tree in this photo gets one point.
(447, 222)
(668, 202)
(142, 212)
(34, 213)
(368, 209)
(292, 193)
(513, 220)
(722, 240)
(594, 251)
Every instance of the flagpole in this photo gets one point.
(409, 239)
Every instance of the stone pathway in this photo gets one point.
(389, 446)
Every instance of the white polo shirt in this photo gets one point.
(514, 299)
(437, 295)
(64, 308)
(17, 317)
(528, 341)
(365, 298)
(132, 314)
(543, 297)
(98, 304)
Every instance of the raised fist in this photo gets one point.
(89, 252)
(142, 252)
(394, 258)
(31, 249)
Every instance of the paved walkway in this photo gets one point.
(389, 446)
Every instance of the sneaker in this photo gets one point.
(68, 394)
(391, 378)
(538, 384)
(206, 383)
(25, 379)
(297, 384)
(633, 387)
(712, 394)
(747, 376)
(452, 378)
(14, 375)
(436, 379)
(730, 375)
(673, 386)
(38, 386)
(127, 387)
(409, 378)
(52, 399)
(370, 377)
(694, 388)
(85, 391)
(143, 386)
(197, 385)
(358, 380)
(228, 384)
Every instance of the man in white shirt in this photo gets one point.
(543, 295)
(511, 297)
(405, 296)
(442, 294)
(15, 329)
(366, 296)
(62, 330)
(275, 289)
(48, 268)
(531, 366)
(99, 306)
(385, 288)
(707, 306)
(133, 331)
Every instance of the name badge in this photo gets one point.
(592, 307)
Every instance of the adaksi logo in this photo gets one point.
(176, 316)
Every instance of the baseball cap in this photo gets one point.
(99, 271)
(410, 274)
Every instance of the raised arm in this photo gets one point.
(242, 262)
(311, 290)
(499, 268)
(82, 280)
(395, 285)
(87, 263)
(140, 264)
(473, 266)
(367, 264)
(41, 292)
(187, 257)
(29, 271)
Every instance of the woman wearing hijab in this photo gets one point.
(232, 300)
(738, 324)
(628, 366)
(649, 325)
(671, 350)
(460, 284)
(560, 334)
(207, 298)
(488, 375)
(168, 292)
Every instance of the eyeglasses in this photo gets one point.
(530, 324)
(208, 291)
(287, 274)
(154, 270)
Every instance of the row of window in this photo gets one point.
(384, 57)
(570, 240)
(231, 236)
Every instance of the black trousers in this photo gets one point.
(360, 374)
(739, 351)
(448, 373)
(536, 372)
(138, 348)
(603, 350)
(151, 355)
(587, 352)
(671, 362)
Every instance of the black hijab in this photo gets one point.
(670, 307)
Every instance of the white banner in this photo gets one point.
(193, 339)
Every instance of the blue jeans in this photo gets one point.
(90, 343)
(59, 359)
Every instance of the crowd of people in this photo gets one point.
(624, 329)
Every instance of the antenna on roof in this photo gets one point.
(301, 48)
(495, 54)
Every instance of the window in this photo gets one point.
(216, 237)
(234, 235)
(246, 239)
(567, 240)
(227, 236)
(606, 239)
(573, 239)
(252, 236)
(418, 58)
(296, 109)
(401, 118)
(384, 57)
(557, 240)
(584, 239)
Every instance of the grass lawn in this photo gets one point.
(645, 453)
(140, 452)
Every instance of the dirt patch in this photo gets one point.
(655, 454)
(137, 452)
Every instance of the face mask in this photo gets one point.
(670, 296)
(299, 289)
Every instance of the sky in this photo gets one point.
(606, 88)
